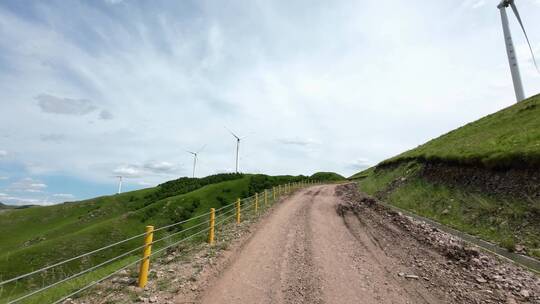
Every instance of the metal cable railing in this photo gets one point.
(96, 251)
(246, 205)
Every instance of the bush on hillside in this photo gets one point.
(326, 177)
(187, 184)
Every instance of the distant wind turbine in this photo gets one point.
(195, 156)
(119, 183)
(237, 146)
(512, 59)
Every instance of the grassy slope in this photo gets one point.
(505, 221)
(39, 236)
(508, 138)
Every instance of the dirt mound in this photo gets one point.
(459, 270)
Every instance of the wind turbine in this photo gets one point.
(195, 155)
(119, 183)
(512, 60)
(237, 146)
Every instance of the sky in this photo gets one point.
(94, 89)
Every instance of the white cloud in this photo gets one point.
(64, 196)
(370, 78)
(28, 184)
(106, 115)
(53, 137)
(145, 184)
(128, 171)
(474, 4)
(159, 166)
(148, 168)
(3, 153)
(298, 141)
(61, 105)
(3, 194)
(360, 164)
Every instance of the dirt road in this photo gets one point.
(307, 252)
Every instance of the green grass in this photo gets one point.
(508, 138)
(35, 237)
(504, 221)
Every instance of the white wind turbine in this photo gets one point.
(237, 146)
(195, 156)
(514, 68)
(120, 177)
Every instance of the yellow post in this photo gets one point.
(212, 224)
(265, 197)
(145, 263)
(238, 211)
(274, 193)
(279, 189)
(256, 202)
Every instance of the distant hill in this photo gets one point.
(327, 176)
(4, 206)
(482, 178)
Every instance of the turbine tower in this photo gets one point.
(195, 156)
(119, 183)
(512, 59)
(237, 146)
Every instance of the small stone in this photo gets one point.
(520, 248)
(481, 280)
(152, 299)
(411, 276)
(401, 274)
(525, 293)
(476, 262)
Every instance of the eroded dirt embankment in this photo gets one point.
(441, 262)
(515, 183)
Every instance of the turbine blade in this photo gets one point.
(202, 148)
(232, 133)
(518, 17)
(190, 152)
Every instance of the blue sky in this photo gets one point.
(94, 89)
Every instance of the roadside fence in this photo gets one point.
(234, 211)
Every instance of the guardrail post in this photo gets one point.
(145, 263)
(274, 194)
(265, 197)
(212, 223)
(256, 202)
(238, 211)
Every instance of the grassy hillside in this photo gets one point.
(508, 138)
(481, 178)
(40, 236)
